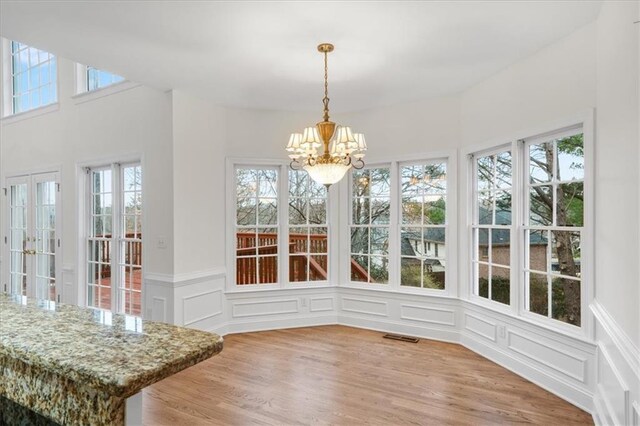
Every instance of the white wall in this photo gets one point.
(85, 129)
(617, 393)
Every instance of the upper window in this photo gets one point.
(423, 230)
(554, 206)
(98, 79)
(370, 218)
(33, 78)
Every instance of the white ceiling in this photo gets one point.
(263, 54)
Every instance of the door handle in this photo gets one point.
(29, 251)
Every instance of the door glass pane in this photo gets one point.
(45, 269)
(18, 242)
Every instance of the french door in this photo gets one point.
(32, 241)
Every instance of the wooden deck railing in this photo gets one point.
(133, 256)
(266, 249)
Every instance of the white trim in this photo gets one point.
(184, 279)
(112, 89)
(623, 343)
(32, 113)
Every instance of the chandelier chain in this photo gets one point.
(325, 101)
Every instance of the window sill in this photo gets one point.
(32, 113)
(92, 95)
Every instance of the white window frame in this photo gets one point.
(524, 220)
(517, 309)
(451, 289)
(84, 223)
(471, 223)
(8, 114)
(283, 282)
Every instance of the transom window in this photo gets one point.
(33, 78)
(423, 229)
(98, 79)
(369, 228)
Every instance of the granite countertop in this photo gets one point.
(114, 353)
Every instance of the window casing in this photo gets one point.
(279, 227)
(33, 78)
(548, 227)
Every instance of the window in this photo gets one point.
(370, 218)
(114, 238)
(491, 260)
(544, 241)
(554, 206)
(423, 190)
(33, 78)
(98, 79)
(308, 229)
(256, 225)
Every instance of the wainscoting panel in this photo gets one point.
(201, 306)
(321, 304)
(264, 307)
(549, 355)
(481, 327)
(364, 306)
(617, 389)
(158, 309)
(429, 315)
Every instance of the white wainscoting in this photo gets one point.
(69, 291)
(617, 388)
(563, 365)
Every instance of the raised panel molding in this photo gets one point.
(159, 305)
(636, 413)
(612, 388)
(549, 356)
(428, 315)
(200, 305)
(264, 307)
(321, 304)
(481, 327)
(364, 306)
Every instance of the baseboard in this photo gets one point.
(235, 327)
(387, 326)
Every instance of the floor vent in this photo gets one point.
(401, 338)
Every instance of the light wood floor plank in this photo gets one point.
(346, 376)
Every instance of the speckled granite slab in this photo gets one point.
(77, 365)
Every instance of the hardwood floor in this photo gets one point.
(342, 375)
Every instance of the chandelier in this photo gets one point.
(326, 151)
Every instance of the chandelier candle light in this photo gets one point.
(341, 149)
